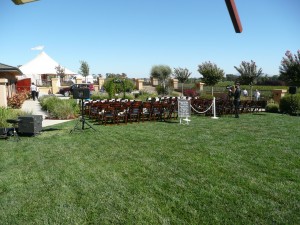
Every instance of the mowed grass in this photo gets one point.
(225, 171)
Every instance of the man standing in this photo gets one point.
(256, 95)
(236, 99)
(33, 91)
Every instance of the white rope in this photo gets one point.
(203, 111)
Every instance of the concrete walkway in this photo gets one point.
(34, 108)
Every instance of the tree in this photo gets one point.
(84, 69)
(119, 84)
(211, 74)
(60, 72)
(248, 72)
(290, 68)
(162, 73)
(182, 75)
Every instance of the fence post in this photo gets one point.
(214, 109)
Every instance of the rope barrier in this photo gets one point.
(203, 111)
(213, 104)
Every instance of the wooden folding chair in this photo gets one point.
(156, 112)
(121, 114)
(146, 111)
(134, 112)
(108, 114)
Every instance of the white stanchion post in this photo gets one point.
(214, 109)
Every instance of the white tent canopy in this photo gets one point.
(41, 64)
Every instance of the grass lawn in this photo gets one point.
(226, 171)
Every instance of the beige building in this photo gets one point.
(10, 73)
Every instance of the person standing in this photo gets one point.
(245, 93)
(33, 91)
(236, 99)
(256, 95)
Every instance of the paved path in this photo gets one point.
(34, 108)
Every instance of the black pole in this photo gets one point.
(82, 114)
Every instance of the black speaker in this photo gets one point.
(30, 125)
(81, 93)
(293, 90)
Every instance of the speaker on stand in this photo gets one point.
(81, 94)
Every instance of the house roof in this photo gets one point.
(10, 69)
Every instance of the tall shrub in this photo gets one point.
(290, 104)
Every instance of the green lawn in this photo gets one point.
(225, 171)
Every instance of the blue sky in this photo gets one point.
(130, 36)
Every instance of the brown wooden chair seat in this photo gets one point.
(134, 112)
(146, 111)
(157, 110)
(121, 114)
(108, 114)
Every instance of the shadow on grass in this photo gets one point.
(50, 129)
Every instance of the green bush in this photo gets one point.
(164, 91)
(60, 108)
(6, 113)
(66, 109)
(272, 108)
(160, 90)
(290, 104)
(48, 102)
(99, 96)
(116, 86)
(144, 95)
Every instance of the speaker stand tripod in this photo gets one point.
(81, 121)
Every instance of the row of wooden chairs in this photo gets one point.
(117, 112)
(136, 111)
